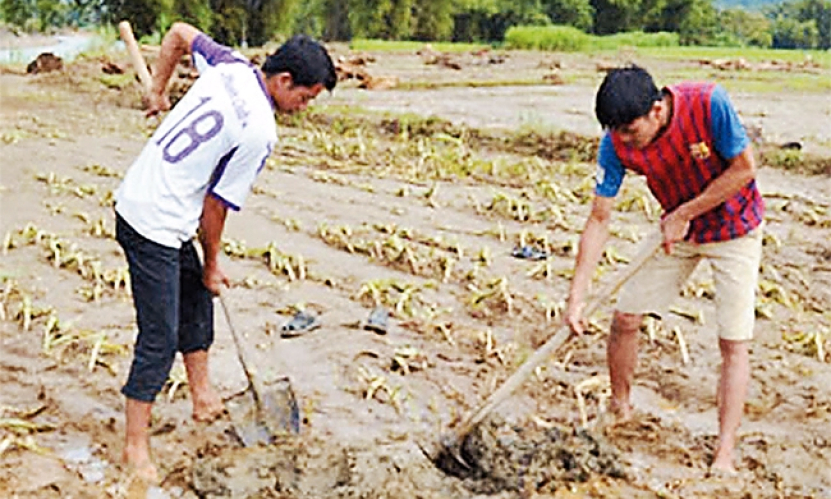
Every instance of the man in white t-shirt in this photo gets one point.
(201, 161)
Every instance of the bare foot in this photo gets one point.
(139, 465)
(207, 406)
(621, 410)
(616, 415)
(723, 465)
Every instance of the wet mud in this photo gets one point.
(498, 457)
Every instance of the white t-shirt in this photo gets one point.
(215, 140)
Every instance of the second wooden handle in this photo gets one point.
(136, 58)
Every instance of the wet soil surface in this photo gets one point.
(356, 211)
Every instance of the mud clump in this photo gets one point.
(45, 63)
(291, 467)
(318, 468)
(245, 472)
(506, 458)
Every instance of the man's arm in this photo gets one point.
(741, 171)
(176, 43)
(211, 225)
(593, 239)
(731, 142)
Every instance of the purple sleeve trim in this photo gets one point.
(265, 90)
(227, 203)
(213, 52)
(265, 158)
(220, 168)
(218, 172)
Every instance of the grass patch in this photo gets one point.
(635, 39)
(661, 45)
(794, 83)
(426, 85)
(769, 82)
(760, 82)
(405, 46)
(796, 161)
(751, 54)
(559, 38)
(116, 81)
(570, 39)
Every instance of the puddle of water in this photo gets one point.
(157, 493)
(81, 459)
(67, 47)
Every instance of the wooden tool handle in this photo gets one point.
(545, 351)
(136, 58)
(241, 352)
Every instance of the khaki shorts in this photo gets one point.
(735, 266)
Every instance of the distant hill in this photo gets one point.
(747, 4)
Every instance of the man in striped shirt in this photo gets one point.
(687, 141)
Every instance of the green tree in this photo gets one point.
(335, 20)
(144, 15)
(229, 21)
(577, 13)
(384, 19)
(195, 12)
(527, 12)
(695, 21)
(84, 12)
(433, 20)
(818, 11)
(698, 23)
(368, 18)
(476, 20)
(791, 33)
(267, 18)
(310, 18)
(746, 27)
(400, 19)
(51, 14)
(18, 12)
(251, 22)
(613, 16)
(47, 14)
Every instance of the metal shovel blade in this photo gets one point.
(265, 410)
(242, 408)
(276, 414)
(278, 406)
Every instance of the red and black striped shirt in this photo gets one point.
(682, 161)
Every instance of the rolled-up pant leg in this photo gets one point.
(154, 278)
(196, 311)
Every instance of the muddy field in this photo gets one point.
(362, 207)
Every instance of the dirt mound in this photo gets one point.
(45, 63)
(502, 459)
(318, 468)
(517, 459)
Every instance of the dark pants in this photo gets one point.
(174, 309)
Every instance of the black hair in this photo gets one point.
(306, 60)
(625, 95)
